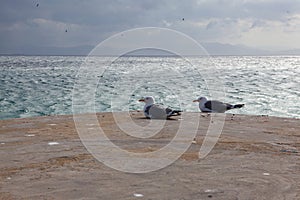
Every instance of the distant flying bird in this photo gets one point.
(66, 30)
(182, 19)
(155, 111)
(215, 106)
(37, 5)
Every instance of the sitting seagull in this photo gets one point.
(215, 106)
(155, 111)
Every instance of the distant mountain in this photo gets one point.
(294, 52)
(211, 48)
(228, 49)
(149, 52)
(35, 50)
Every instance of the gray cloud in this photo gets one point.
(89, 22)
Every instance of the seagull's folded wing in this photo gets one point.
(157, 112)
(216, 106)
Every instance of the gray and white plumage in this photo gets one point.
(156, 111)
(215, 106)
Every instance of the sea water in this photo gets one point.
(47, 85)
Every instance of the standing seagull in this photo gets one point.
(155, 111)
(215, 106)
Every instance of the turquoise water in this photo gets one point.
(43, 85)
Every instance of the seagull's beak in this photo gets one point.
(141, 100)
(196, 100)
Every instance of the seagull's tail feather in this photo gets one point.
(238, 105)
(171, 112)
(176, 112)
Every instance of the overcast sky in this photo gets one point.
(265, 24)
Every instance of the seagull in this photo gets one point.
(155, 111)
(215, 106)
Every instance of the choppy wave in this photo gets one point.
(43, 85)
